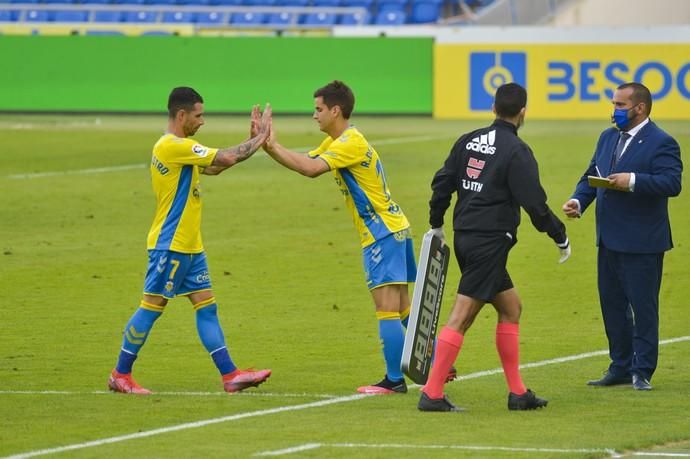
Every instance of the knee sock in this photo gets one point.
(211, 335)
(135, 334)
(448, 348)
(393, 339)
(508, 346)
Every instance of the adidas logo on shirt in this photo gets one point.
(484, 143)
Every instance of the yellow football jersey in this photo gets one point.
(175, 167)
(359, 175)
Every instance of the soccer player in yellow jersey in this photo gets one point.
(383, 229)
(177, 262)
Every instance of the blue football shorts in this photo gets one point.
(390, 260)
(172, 274)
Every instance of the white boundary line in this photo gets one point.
(303, 406)
(126, 167)
(179, 394)
(187, 425)
(309, 446)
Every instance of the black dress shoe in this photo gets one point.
(526, 401)
(640, 383)
(610, 379)
(436, 404)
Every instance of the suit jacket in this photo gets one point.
(634, 222)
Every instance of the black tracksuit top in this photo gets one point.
(494, 173)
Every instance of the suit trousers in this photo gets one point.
(629, 286)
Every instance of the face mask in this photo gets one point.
(620, 117)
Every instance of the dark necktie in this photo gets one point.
(624, 136)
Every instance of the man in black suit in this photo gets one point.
(643, 166)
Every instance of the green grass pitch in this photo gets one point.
(286, 269)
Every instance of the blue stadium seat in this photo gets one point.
(246, 19)
(282, 19)
(36, 16)
(209, 18)
(58, 1)
(292, 3)
(162, 2)
(140, 16)
(107, 16)
(384, 5)
(259, 2)
(318, 19)
(130, 2)
(8, 15)
(226, 2)
(355, 19)
(390, 17)
(24, 1)
(363, 3)
(194, 2)
(179, 17)
(70, 16)
(96, 2)
(424, 12)
(326, 3)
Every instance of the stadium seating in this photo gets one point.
(425, 11)
(292, 3)
(390, 17)
(355, 19)
(318, 19)
(211, 18)
(107, 16)
(384, 5)
(179, 17)
(140, 16)
(36, 16)
(359, 3)
(70, 16)
(281, 19)
(7, 16)
(326, 3)
(246, 19)
(253, 13)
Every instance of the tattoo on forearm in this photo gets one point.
(243, 150)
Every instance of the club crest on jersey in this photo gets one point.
(483, 144)
(199, 150)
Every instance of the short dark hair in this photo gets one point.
(337, 93)
(510, 99)
(640, 94)
(182, 98)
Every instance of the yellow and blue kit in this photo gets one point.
(382, 226)
(175, 167)
(360, 176)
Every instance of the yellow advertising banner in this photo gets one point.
(562, 81)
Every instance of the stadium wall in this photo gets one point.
(135, 74)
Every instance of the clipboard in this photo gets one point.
(602, 182)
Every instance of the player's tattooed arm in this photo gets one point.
(228, 157)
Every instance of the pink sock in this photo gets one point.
(508, 346)
(447, 349)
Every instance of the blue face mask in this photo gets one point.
(620, 117)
